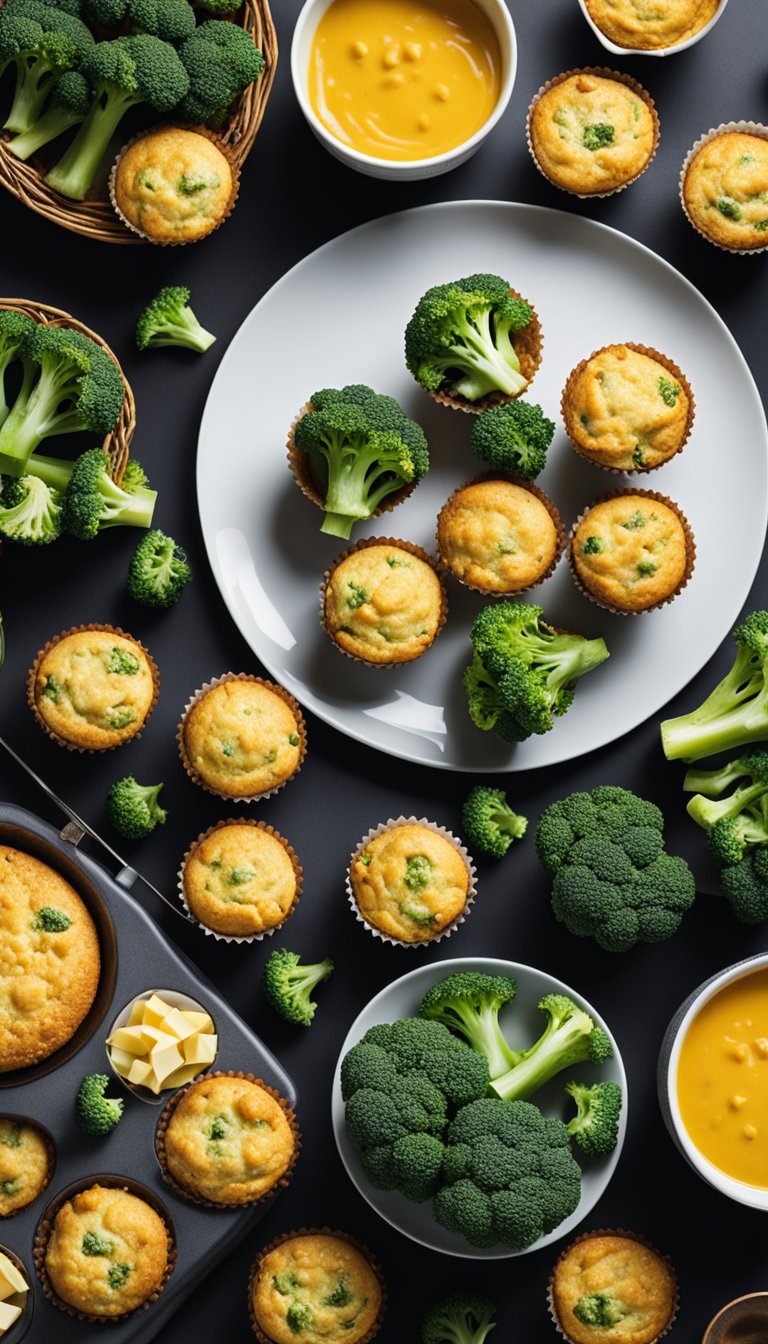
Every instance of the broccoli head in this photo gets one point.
(43, 42)
(158, 572)
(745, 884)
(221, 59)
(735, 713)
(570, 1037)
(30, 511)
(595, 1126)
(489, 822)
(288, 984)
(469, 1003)
(461, 1318)
(67, 106)
(93, 501)
(133, 809)
(95, 1113)
(169, 320)
(738, 820)
(171, 20)
(513, 438)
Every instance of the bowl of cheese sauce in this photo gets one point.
(713, 1081)
(403, 89)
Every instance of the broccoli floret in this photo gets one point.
(288, 984)
(96, 1114)
(171, 20)
(93, 1244)
(485, 702)
(461, 1318)
(459, 339)
(490, 824)
(570, 1037)
(219, 7)
(341, 1294)
(736, 712)
(415, 1164)
(117, 1275)
(105, 13)
(30, 512)
(738, 821)
(123, 73)
(14, 328)
(67, 106)
(363, 448)
(169, 320)
(159, 571)
(595, 1126)
(221, 60)
(469, 1003)
(299, 1318)
(51, 920)
(745, 884)
(133, 809)
(93, 501)
(514, 438)
(43, 42)
(601, 1309)
(597, 135)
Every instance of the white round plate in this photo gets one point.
(338, 317)
(523, 1022)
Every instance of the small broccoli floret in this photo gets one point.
(105, 13)
(570, 1037)
(461, 1318)
(93, 1244)
(597, 135)
(117, 1275)
(43, 42)
(67, 106)
(739, 820)
(51, 920)
(736, 712)
(459, 339)
(601, 1309)
(30, 512)
(469, 1003)
(96, 1114)
(416, 1164)
(595, 1126)
(299, 1318)
(171, 20)
(513, 438)
(221, 59)
(288, 984)
(169, 320)
(159, 571)
(133, 809)
(490, 824)
(93, 501)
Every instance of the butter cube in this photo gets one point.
(200, 1049)
(154, 1036)
(166, 1058)
(136, 1016)
(11, 1279)
(121, 1060)
(155, 1010)
(200, 1021)
(178, 1024)
(180, 1077)
(130, 1039)
(139, 1071)
(8, 1314)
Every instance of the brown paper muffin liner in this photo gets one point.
(630, 1236)
(32, 678)
(315, 1232)
(299, 465)
(165, 1119)
(532, 489)
(528, 344)
(471, 887)
(412, 549)
(690, 551)
(291, 702)
(601, 72)
(207, 135)
(670, 366)
(45, 1228)
(21, 1325)
(292, 855)
(748, 128)
(50, 1149)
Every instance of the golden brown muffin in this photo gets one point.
(173, 185)
(499, 536)
(383, 603)
(243, 739)
(93, 689)
(631, 552)
(315, 1286)
(626, 1285)
(725, 190)
(626, 409)
(49, 960)
(107, 1253)
(647, 25)
(25, 1164)
(240, 880)
(592, 134)
(410, 882)
(228, 1140)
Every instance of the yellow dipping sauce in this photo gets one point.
(722, 1079)
(404, 79)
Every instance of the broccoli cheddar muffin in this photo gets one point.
(648, 25)
(410, 882)
(93, 688)
(173, 185)
(632, 551)
(313, 1286)
(613, 1289)
(627, 408)
(499, 536)
(241, 879)
(242, 737)
(725, 190)
(383, 602)
(592, 131)
(25, 1164)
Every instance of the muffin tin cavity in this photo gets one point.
(182, 1003)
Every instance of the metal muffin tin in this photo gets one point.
(136, 957)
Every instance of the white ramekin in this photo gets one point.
(659, 51)
(413, 169)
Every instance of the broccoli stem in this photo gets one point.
(188, 334)
(53, 123)
(33, 84)
(736, 713)
(338, 525)
(52, 471)
(126, 508)
(493, 369)
(35, 414)
(350, 496)
(706, 811)
(73, 174)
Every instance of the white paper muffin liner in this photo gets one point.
(628, 1236)
(389, 825)
(747, 128)
(241, 937)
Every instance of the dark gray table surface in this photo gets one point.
(294, 197)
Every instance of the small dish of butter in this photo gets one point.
(161, 1040)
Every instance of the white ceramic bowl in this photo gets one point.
(523, 1021)
(176, 1000)
(413, 169)
(660, 51)
(669, 1058)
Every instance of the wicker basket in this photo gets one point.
(117, 444)
(96, 218)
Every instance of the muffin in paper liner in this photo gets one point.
(532, 489)
(32, 678)
(746, 128)
(45, 1228)
(412, 549)
(50, 1148)
(292, 855)
(22, 1324)
(629, 1236)
(164, 1121)
(670, 366)
(300, 470)
(278, 690)
(601, 72)
(207, 134)
(392, 824)
(528, 345)
(690, 551)
(314, 1232)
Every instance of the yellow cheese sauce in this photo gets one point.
(722, 1079)
(404, 79)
